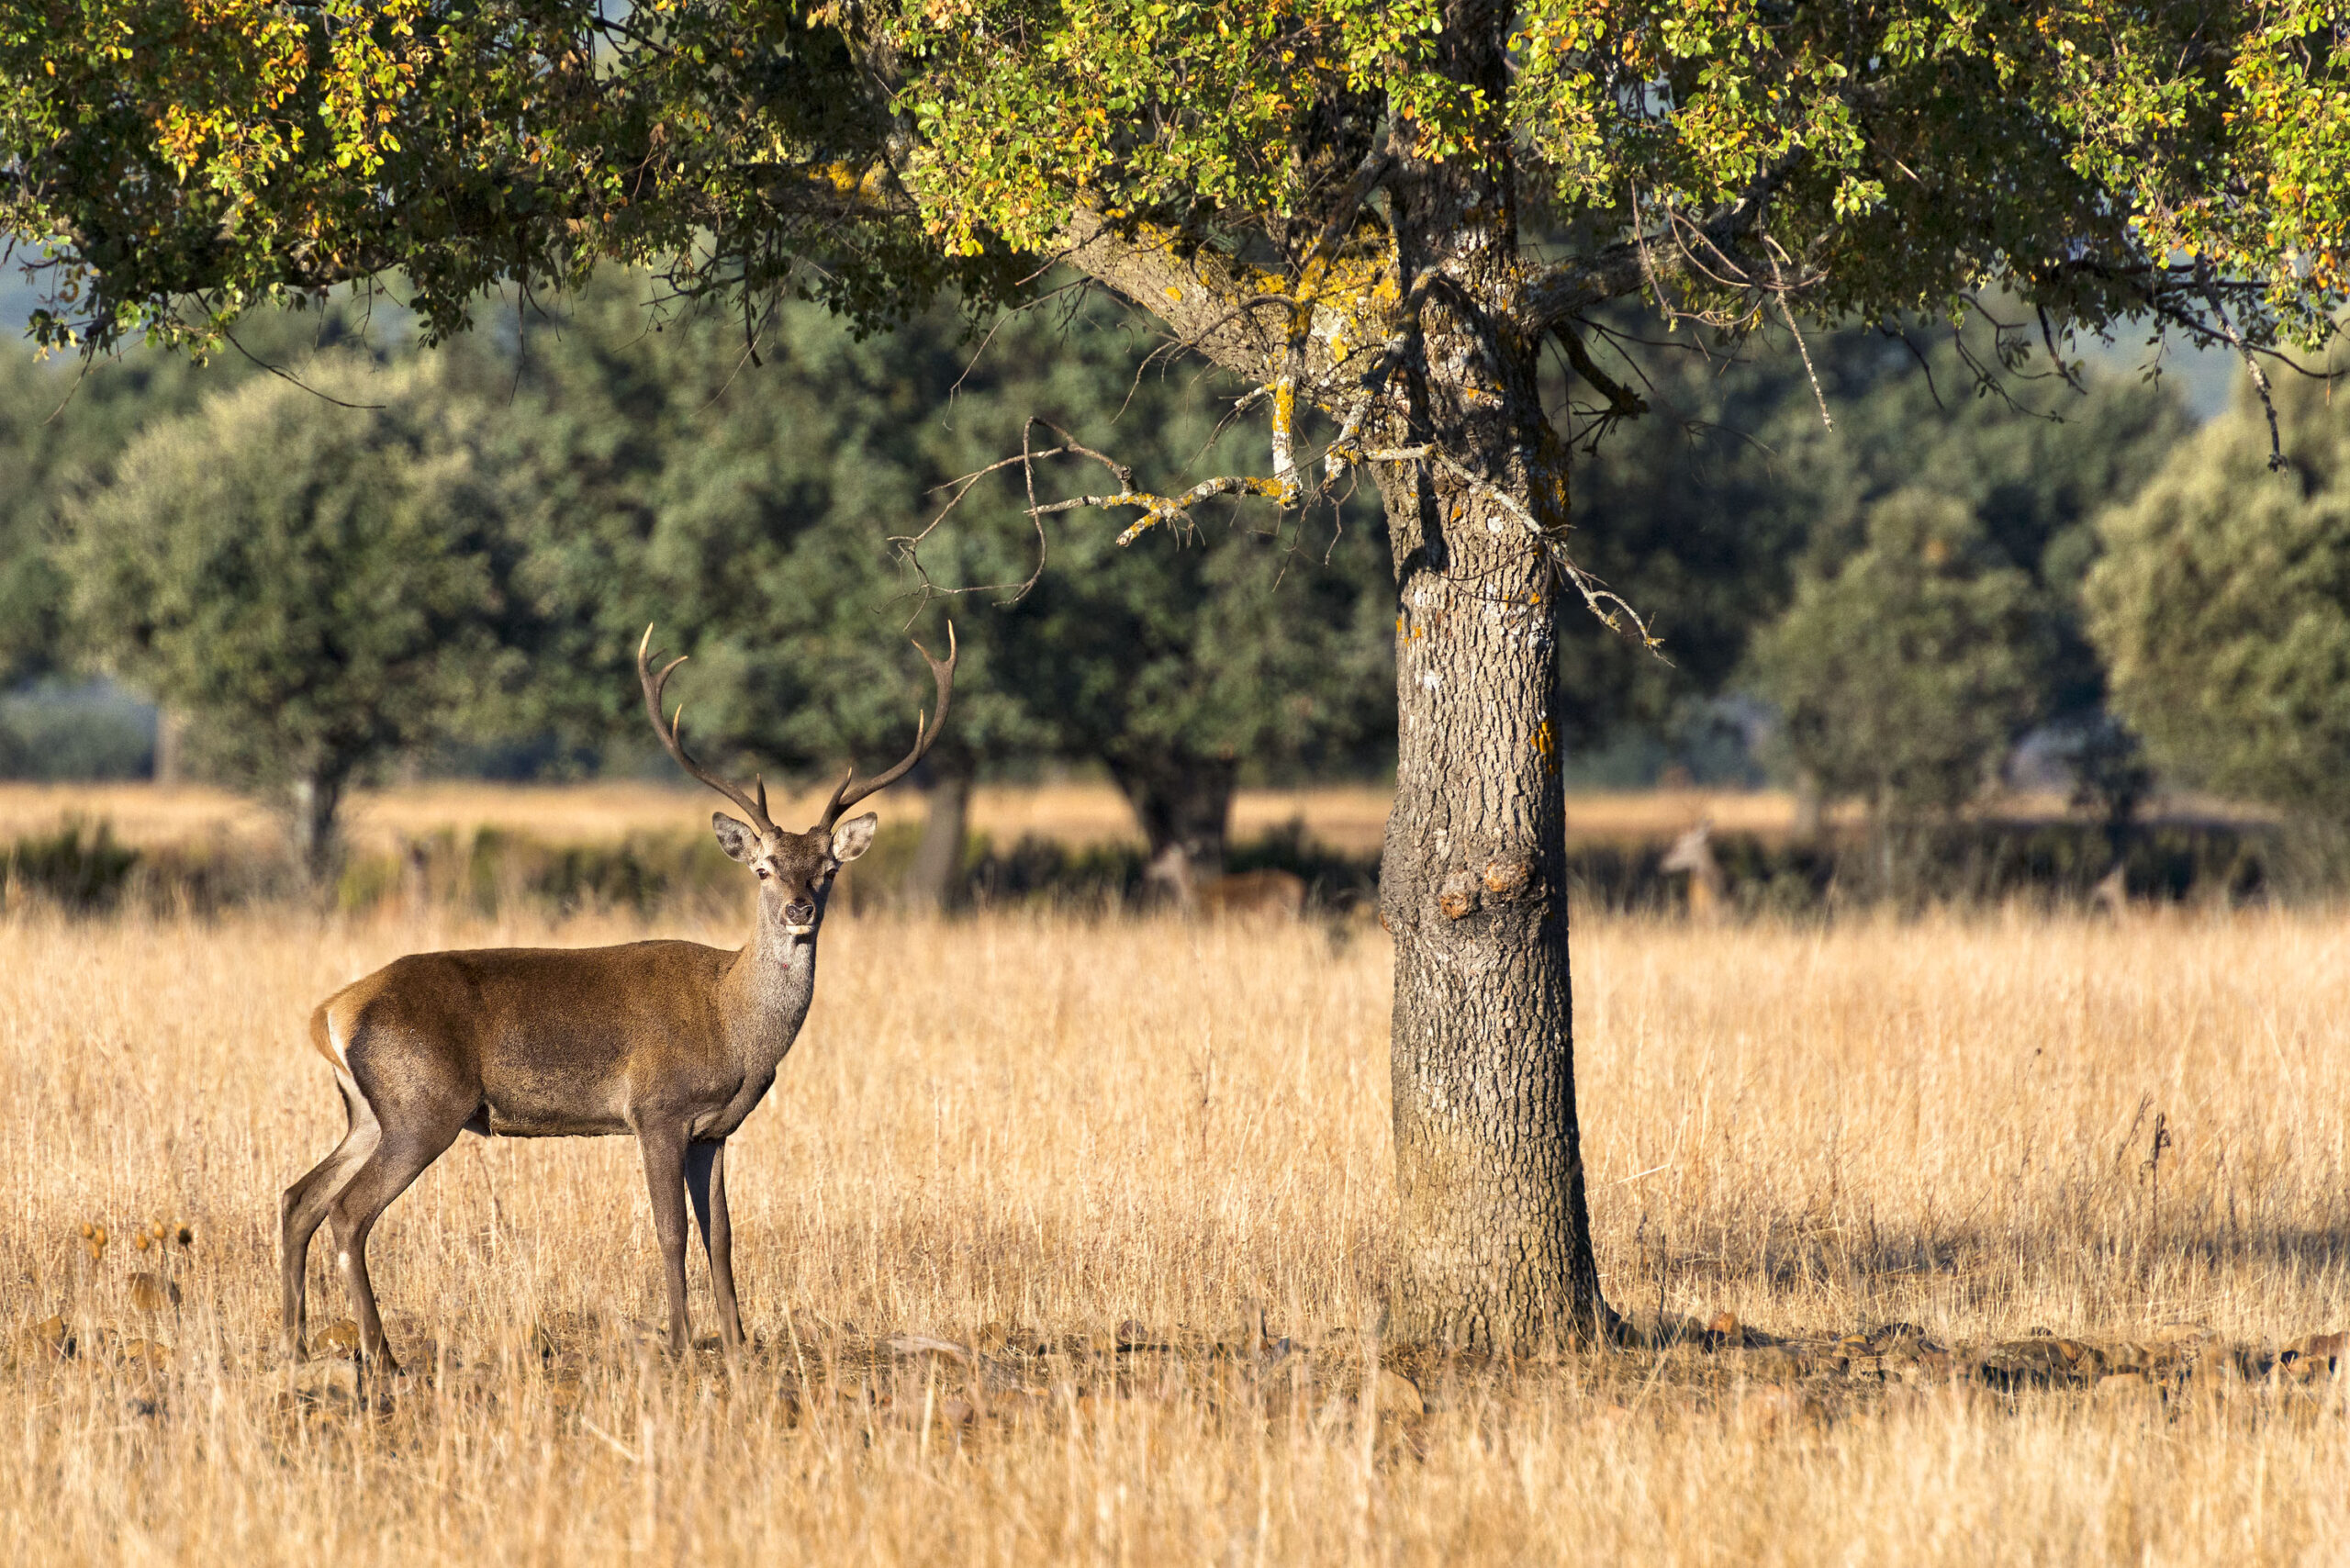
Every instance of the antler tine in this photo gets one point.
(926, 733)
(673, 741)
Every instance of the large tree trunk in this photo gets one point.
(1183, 804)
(1496, 1239)
(1495, 1243)
(1496, 1234)
(934, 881)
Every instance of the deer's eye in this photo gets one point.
(763, 873)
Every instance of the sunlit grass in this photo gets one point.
(1060, 1127)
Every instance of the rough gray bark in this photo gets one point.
(1182, 801)
(934, 881)
(1495, 1236)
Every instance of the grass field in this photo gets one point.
(1013, 1132)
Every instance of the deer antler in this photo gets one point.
(925, 735)
(674, 744)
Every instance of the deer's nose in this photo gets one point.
(799, 912)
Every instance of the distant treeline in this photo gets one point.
(444, 561)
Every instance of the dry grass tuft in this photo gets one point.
(1158, 1151)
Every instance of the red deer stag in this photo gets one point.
(672, 1042)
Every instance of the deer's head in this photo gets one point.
(795, 870)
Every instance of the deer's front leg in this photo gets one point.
(706, 1184)
(665, 1156)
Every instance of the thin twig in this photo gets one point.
(288, 376)
(1787, 314)
(2259, 376)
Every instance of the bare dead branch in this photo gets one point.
(1596, 595)
(1787, 314)
(2048, 341)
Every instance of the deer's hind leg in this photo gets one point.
(422, 1107)
(304, 1204)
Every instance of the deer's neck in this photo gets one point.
(773, 982)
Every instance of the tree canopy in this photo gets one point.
(2180, 161)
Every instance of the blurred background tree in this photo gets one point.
(63, 425)
(319, 585)
(1712, 509)
(749, 511)
(1905, 674)
(60, 428)
(644, 474)
(2222, 604)
(2033, 467)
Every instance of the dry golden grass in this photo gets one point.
(1064, 1124)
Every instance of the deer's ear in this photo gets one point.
(854, 837)
(736, 838)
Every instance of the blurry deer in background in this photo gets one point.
(1273, 893)
(671, 1042)
(1694, 852)
(1268, 892)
